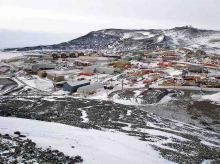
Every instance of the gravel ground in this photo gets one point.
(185, 108)
(18, 149)
(182, 106)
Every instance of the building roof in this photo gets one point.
(90, 88)
(95, 58)
(6, 81)
(75, 83)
(61, 82)
(53, 73)
(214, 74)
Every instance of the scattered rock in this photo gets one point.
(78, 159)
(26, 152)
(22, 136)
(6, 136)
(17, 132)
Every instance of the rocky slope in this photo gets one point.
(15, 149)
(175, 141)
(185, 106)
(122, 40)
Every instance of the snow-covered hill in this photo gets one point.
(121, 39)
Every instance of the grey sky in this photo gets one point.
(83, 16)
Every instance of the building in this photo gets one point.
(42, 74)
(106, 70)
(216, 75)
(6, 81)
(90, 69)
(73, 86)
(43, 66)
(136, 57)
(128, 58)
(82, 63)
(151, 56)
(112, 56)
(78, 62)
(180, 66)
(48, 58)
(29, 61)
(200, 52)
(168, 52)
(195, 69)
(55, 77)
(72, 55)
(85, 64)
(63, 55)
(55, 55)
(121, 64)
(4, 69)
(80, 54)
(96, 59)
(97, 69)
(90, 88)
(35, 67)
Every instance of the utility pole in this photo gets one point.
(96, 72)
(122, 84)
(55, 81)
(107, 92)
(174, 82)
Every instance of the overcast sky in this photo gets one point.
(83, 16)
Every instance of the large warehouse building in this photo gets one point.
(73, 86)
(90, 88)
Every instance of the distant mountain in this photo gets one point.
(16, 38)
(121, 39)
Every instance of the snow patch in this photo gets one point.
(160, 38)
(84, 115)
(213, 97)
(95, 147)
(138, 35)
(165, 99)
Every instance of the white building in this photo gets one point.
(90, 88)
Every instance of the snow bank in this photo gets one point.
(174, 72)
(138, 35)
(96, 147)
(213, 97)
(39, 83)
(60, 93)
(125, 102)
(165, 99)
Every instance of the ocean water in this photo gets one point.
(9, 55)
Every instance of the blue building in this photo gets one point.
(73, 86)
(184, 72)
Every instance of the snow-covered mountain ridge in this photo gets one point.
(153, 39)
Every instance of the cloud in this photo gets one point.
(42, 20)
(86, 15)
